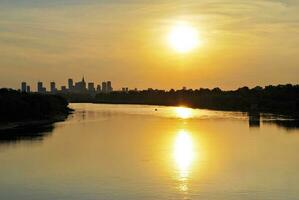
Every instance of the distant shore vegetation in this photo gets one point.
(280, 99)
(20, 106)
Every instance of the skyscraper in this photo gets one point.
(70, 84)
(83, 83)
(53, 87)
(80, 87)
(104, 87)
(109, 86)
(40, 87)
(91, 87)
(28, 89)
(23, 87)
(99, 89)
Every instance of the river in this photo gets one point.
(130, 152)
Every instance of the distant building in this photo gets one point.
(63, 89)
(109, 86)
(53, 87)
(99, 88)
(23, 87)
(80, 87)
(104, 87)
(70, 84)
(28, 89)
(40, 87)
(91, 87)
(125, 89)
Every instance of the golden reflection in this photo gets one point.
(183, 112)
(183, 153)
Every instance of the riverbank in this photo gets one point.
(30, 124)
(280, 99)
(288, 114)
(27, 110)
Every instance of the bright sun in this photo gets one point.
(183, 38)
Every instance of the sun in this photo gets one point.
(183, 112)
(183, 37)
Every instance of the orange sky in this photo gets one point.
(244, 42)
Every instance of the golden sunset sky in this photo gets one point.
(243, 42)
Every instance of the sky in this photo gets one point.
(244, 42)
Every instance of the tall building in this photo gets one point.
(104, 87)
(83, 83)
(28, 89)
(80, 87)
(70, 84)
(109, 86)
(53, 87)
(40, 87)
(91, 87)
(23, 87)
(99, 88)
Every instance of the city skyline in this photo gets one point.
(71, 86)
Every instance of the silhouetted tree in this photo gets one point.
(15, 105)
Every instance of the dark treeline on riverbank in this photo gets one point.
(17, 106)
(283, 99)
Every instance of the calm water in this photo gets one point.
(115, 152)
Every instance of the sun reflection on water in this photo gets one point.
(183, 112)
(184, 156)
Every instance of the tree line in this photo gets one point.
(15, 105)
(275, 99)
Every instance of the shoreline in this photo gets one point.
(31, 123)
(278, 113)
